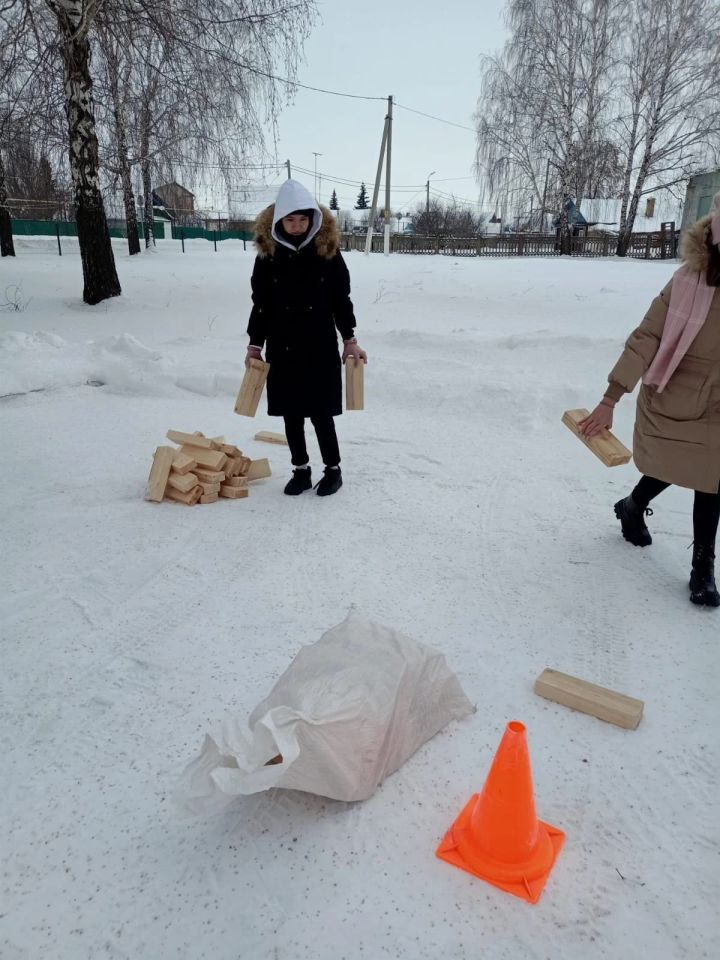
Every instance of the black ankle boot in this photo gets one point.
(703, 591)
(632, 522)
(300, 481)
(330, 482)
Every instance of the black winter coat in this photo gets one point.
(301, 298)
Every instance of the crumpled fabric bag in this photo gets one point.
(348, 711)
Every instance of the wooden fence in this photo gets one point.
(645, 246)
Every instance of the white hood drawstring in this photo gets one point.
(294, 196)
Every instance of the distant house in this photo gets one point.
(575, 218)
(177, 200)
(655, 208)
(701, 189)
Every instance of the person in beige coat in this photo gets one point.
(676, 352)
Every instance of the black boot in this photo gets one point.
(702, 577)
(330, 482)
(633, 525)
(300, 481)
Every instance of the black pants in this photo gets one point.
(326, 436)
(706, 508)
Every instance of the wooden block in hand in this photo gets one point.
(159, 473)
(251, 388)
(182, 463)
(194, 439)
(213, 459)
(267, 436)
(189, 498)
(605, 445)
(259, 469)
(587, 697)
(182, 481)
(354, 384)
(233, 493)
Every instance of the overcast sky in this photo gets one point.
(423, 52)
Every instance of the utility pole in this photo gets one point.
(427, 191)
(287, 164)
(316, 155)
(387, 180)
(376, 189)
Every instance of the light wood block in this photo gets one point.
(599, 702)
(227, 448)
(209, 498)
(159, 473)
(251, 388)
(214, 459)
(259, 469)
(236, 482)
(605, 445)
(209, 476)
(182, 463)
(194, 439)
(182, 481)
(233, 493)
(354, 384)
(189, 498)
(209, 488)
(267, 436)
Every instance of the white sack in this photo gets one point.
(349, 710)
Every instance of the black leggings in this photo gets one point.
(706, 508)
(327, 439)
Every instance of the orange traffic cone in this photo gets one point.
(497, 836)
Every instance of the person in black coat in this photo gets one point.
(301, 299)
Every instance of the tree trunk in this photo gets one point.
(7, 248)
(98, 262)
(133, 236)
(148, 214)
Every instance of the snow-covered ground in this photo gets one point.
(470, 519)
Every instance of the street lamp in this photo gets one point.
(427, 191)
(316, 155)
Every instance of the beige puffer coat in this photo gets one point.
(677, 432)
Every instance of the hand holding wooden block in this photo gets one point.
(354, 384)
(605, 445)
(251, 388)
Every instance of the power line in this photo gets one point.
(430, 116)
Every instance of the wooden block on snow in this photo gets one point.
(605, 446)
(599, 702)
(354, 384)
(182, 463)
(267, 436)
(209, 498)
(182, 481)
(194, 439)
(189, 498)
(214, 459)
(210, 488)
(227, 448)
(251, 388)
(159, 473)
(236, 482)
(259, 469)
(233, 493)
(209, 476)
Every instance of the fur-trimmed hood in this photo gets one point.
(294, 196)
(326, 240)
(693, 245)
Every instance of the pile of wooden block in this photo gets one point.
(201, 469)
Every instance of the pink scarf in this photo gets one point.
(690, 301)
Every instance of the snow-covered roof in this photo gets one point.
(606, 213)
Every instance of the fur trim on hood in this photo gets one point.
(693, 245)
(294, 196)
(326, 240)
